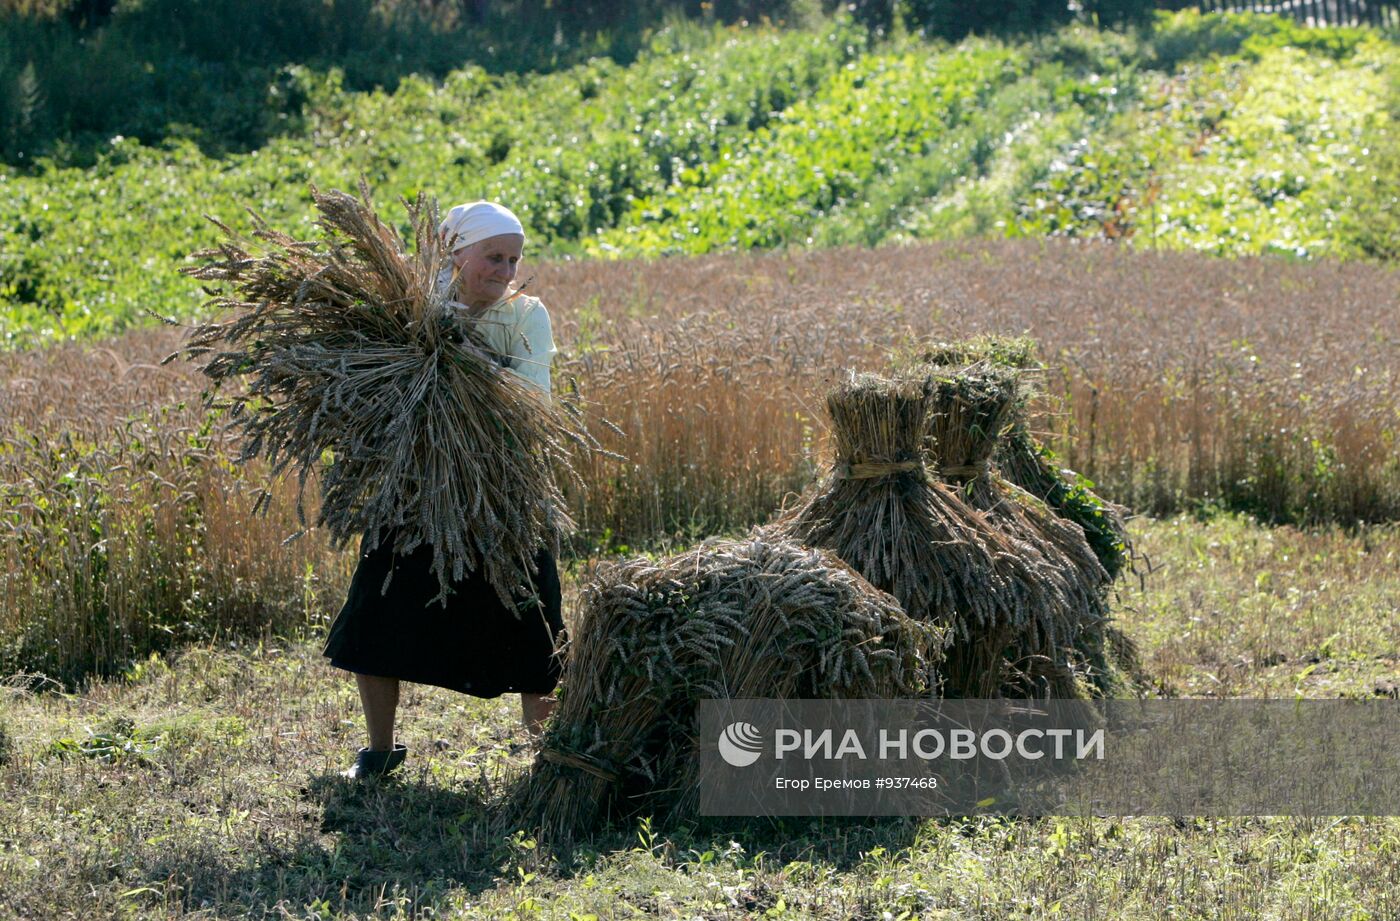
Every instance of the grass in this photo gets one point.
(1238, 610)
(206, 792)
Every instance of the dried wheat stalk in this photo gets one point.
(756, 617)
(349, 351)
(1027, 463)
(882, 512)
(972, 409)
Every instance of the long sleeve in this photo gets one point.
(532, 348)
(518, 333)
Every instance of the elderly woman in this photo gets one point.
(473, 643)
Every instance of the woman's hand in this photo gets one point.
(476, 350)
(468, 346)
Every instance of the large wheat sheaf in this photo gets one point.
(357, 373)
(882, 512)
(759, 616)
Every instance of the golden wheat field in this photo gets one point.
(1171, 380)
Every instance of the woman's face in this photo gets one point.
(486, 268)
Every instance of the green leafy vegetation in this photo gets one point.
(227, 75)
(1249, 154)
(1371, 215)
(85, 251)
(880, 116)
(1227, 134)
(118, 739)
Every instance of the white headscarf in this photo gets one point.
(476, 221)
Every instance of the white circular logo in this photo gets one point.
(740, 744)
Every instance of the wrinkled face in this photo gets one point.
(486, 268)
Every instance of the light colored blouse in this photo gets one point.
(518, 333)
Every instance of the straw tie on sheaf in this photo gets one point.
(874, 470)
(965, 471)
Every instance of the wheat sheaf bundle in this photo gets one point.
(881, 510)
(347, 345)
(1104, 652)
(1029, 464)
(971, 409)
(754, 617)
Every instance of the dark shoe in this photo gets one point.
(376, 764)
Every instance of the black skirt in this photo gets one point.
(475, 644)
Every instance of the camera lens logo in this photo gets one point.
(740, 745)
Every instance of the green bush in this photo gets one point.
(212, 71)
(1370, 216)
(1261, 152)
(1194, 36)
(1120, 12)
